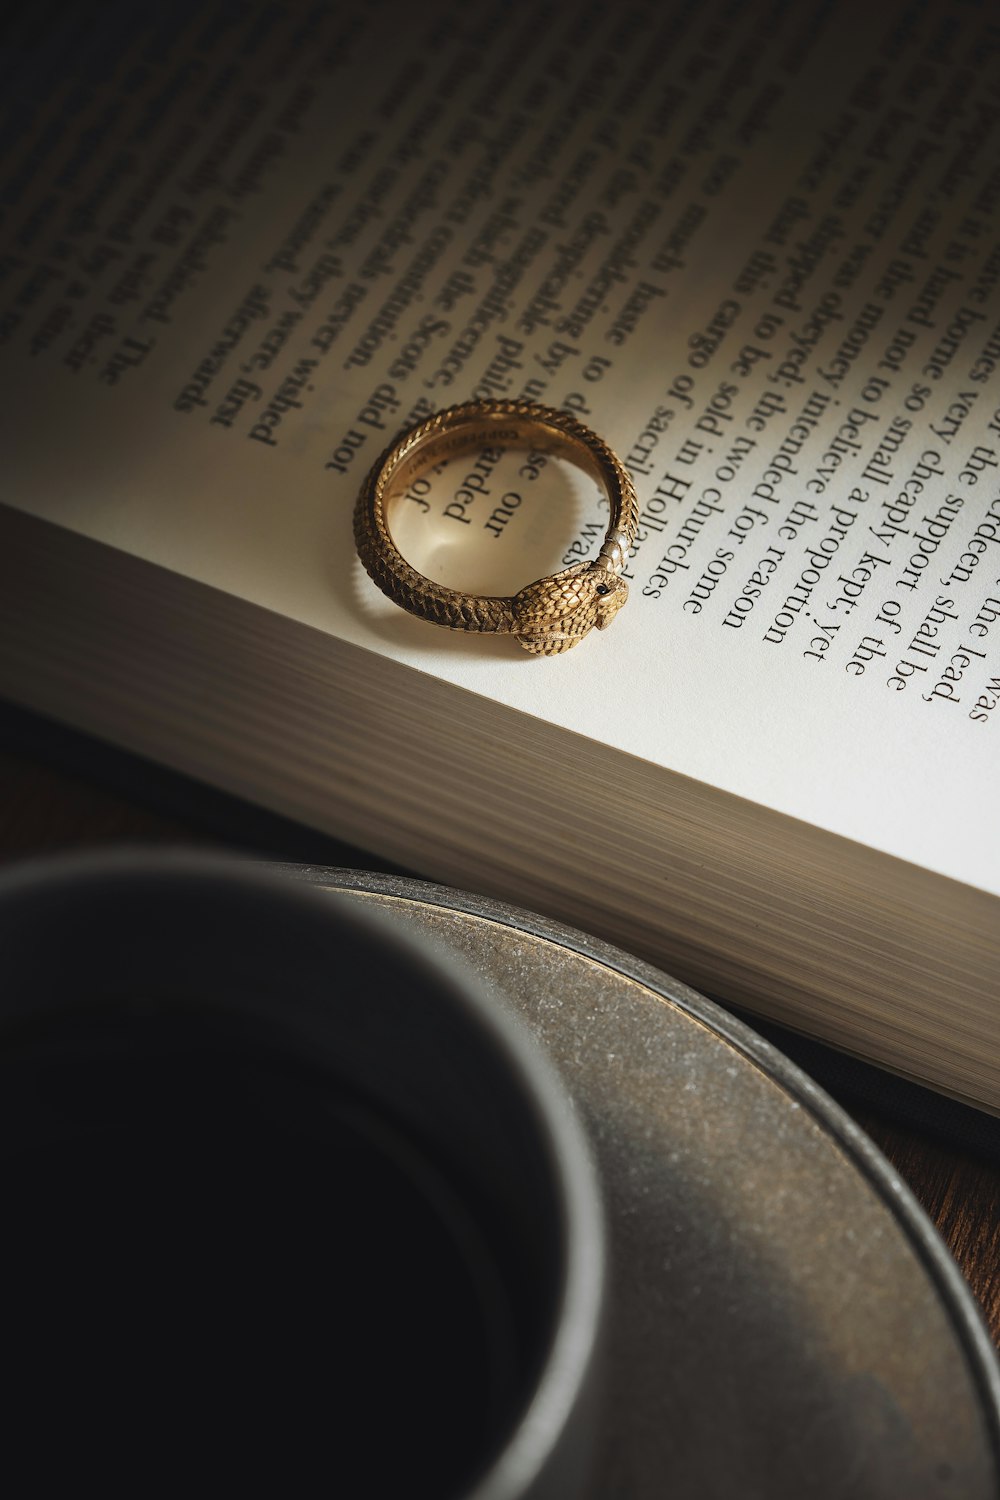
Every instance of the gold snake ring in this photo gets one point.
(548, 616)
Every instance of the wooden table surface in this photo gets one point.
(46, 807)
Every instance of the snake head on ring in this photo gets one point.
(553, 614)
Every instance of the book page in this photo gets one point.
(754, 247)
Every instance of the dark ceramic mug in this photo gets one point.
(287, 1202)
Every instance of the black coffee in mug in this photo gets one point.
(272, 1218)
(232, 1258)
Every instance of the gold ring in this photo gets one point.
(548, 616)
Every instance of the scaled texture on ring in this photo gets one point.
(547, 616)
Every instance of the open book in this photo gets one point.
(755, 248)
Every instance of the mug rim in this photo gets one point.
(565, 1377)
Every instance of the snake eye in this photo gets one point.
(602, 588)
